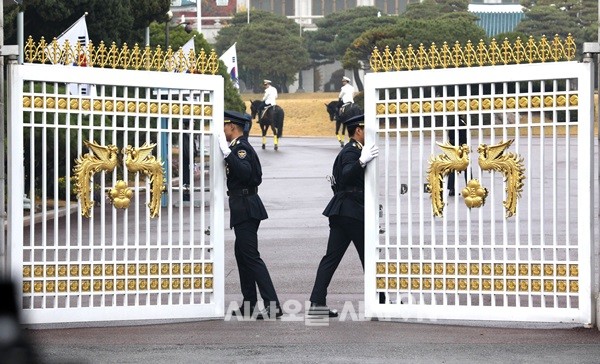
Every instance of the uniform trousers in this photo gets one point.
(251, 267)
(342, 231)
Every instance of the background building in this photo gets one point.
(496, 16)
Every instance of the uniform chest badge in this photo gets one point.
(242, 154)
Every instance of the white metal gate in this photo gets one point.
(101, 241)
(521, 251)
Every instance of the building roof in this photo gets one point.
(497, 18)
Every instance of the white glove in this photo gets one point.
(224, 145)
(368, 154)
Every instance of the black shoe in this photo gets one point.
(266, 314)
(451, 193)
(246, 311)
(321, 310)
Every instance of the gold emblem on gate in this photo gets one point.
(455, 158)
(491, 158)
(105, 158)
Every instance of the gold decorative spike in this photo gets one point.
(100, 159)
(510, 165)
(120, 195)
(141, 160)
(125, 57)
(474, 195)
(455, 158)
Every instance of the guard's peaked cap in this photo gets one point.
(355, 120)
(236, 117)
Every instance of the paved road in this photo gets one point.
(292, 242)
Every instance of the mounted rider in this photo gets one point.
(346, 97)
(268, 99)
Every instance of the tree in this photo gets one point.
(431, 21)
(337, 31)
(119, 21)
(549, 21)
(576, 17)
(269, 47)
(177, 38)
(413, 32)
(431, 9)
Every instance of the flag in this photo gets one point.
(77, 33)
(230, 60)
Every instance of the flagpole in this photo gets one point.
(199, 15)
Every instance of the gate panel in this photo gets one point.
(102, 242)
(514, 243)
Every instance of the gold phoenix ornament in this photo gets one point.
(491, 157)
(101, 158)
(104, 158)
(455, 158)
(141, 160)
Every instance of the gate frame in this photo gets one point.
(16, 74)
(587, 302)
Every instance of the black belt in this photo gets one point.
(243, 192)
(352, 189)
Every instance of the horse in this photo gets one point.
(333, 109)
(272, 117)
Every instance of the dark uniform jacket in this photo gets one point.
(349, 198)
(244, 175)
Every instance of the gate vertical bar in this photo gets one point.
(586, 203)
(15, 171)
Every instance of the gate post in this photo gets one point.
(11, 52)
(591, 51)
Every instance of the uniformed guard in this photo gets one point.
(244, 175)
(345, 211)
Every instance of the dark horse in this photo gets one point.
(273, 117)
(334, 109)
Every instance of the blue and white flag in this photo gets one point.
(230, 60)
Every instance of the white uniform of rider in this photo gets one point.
(347, 91)
(270, 94)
